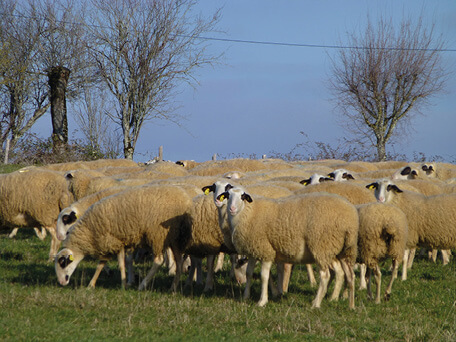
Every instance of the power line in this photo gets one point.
(259, 42)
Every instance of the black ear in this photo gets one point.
(68, 219)
(406, 171)
(424, 168)
(372, 186)
(228, 187)
(223, 195)
(246, 197)
(64, 261)
(394, 188)
(305, 181)
(69, 175)
(430, 168)
(331, 175)
(208, 189)
(414, 173)
(180, 163)
(348, 176)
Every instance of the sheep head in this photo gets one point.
(66, 262)
(385, 190)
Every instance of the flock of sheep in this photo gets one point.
(330, 213)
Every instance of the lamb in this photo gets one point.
(156, 216)
(321, 228)
(34, 198)
(383, 232)
(431, 219)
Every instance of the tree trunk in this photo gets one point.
(381, 152)
(58, 80)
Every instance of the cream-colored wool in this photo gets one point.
(119, 170)
(391, 164)
(34, 198)
(153, 216)
(431, 219)
(218, 168)
(357, 166)
(313, 228)
(354, 193)
(169, 168)
(383, 233)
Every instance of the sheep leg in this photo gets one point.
(194, 264)
(404, 264)
(350, 279)
(121, 261)
(446, 255)
(220, 259)
(238, 269)
(210, 273)
(287, 268)
(100, 266)
(378, 281)
(179, 260)
(280, 277)
(13, 233)
(393, 276)
(362, 276)
(170, 263)
(411, 256)
(325, 276)
(55, 243)
(129, 266)
(265, 271)
(40, 233)
(339, 275)
(158, 261)
(369, 281)
(249, 276)
(433, 255)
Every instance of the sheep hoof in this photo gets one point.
(387, 297)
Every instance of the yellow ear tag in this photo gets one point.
(221, 198)
(71, 257)
(206, 192)
(371, 187)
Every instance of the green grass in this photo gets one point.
(35, 308)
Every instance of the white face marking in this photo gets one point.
(235, 203)
(220, 187)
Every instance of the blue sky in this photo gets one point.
(262, 96)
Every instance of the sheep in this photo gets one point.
(34, 198)
(383, 232)
(169, 168)
(315, 179)
(320, 228)
(439, 171)
(406, 172)
(431, 219)
(187, 164)
(340, 175)
(156, 216)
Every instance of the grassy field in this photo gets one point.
(35, 308)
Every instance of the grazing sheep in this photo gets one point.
(383, 232)
(320, 228)
(153, 216)
(34, 198)
(431, 219)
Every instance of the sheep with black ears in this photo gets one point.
(320, 228)
(431, 219)
(340, 175)
(153, 216)
(315, 179)
(383, 233)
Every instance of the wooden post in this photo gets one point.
(7, 147)
(160, 153)
(263, 156)
(214, 157)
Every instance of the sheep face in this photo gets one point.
(66, 219)
(340, 175)
(65, 263)
(315, 179)
(217, 188)
(385, 190)
(236, 198)
(405, 173)
(429, 169)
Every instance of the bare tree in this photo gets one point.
(23, 94)
(144, 49)
(386, 75)
(62, 53)
(96, 126)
